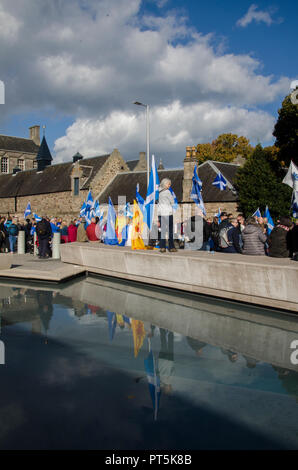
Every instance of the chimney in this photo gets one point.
(77, 157)
(34, 134)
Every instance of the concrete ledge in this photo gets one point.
(5, 261)
(263, 281)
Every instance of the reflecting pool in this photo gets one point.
(99, 364)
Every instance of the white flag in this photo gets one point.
(291, 177)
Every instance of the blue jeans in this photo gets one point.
(12, 242)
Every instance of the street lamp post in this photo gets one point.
(147, 135)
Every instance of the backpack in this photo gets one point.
(223, 238)
(13, 230)
(41, 228)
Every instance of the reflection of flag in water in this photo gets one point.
(153, 381)
(120, 320)
(126, 320)
(112, 321)
(139, 334)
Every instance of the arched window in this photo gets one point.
(4, 165)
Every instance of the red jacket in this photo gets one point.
(90, 230)
(72, 233)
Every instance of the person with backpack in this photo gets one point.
(13, 233)
(253, 238)
(229, 237)
(44, 233)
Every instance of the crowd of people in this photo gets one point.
(225, 233)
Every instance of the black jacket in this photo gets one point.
(48, 229)
(279, 242)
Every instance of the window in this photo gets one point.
(76, 186)
(21, 164)
(34, 164)
(4, 165)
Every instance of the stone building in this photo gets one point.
(18, 152)
(60, 189)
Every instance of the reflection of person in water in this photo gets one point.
(45, 304)
(251, 362)
(166, 360)
(289, 380)
(196, 345)
(232, 355)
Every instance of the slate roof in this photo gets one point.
(53, 179)
(44, 152)
(124, 184)
(18, 144)
(132, 164)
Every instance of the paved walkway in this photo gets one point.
(31, 267)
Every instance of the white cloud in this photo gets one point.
(9, 26)
(259, 16)
(172, 128)
(91, 59)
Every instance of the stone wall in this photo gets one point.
(115, 164)
(7, 205)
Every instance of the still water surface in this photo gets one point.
(96, 364)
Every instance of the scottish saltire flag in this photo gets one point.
(112, 322)
(270, 223)
(37, 218)
(295, 204)
(153, 382)
(111, 237)
(257, 213)
(27, 210)
(152, 194)
(140, 200)
(196, 191)
(175, 206)
(89, 201)
(218, 215)
(127, 211)
(220, 182)
(83, 209)
(291, 178)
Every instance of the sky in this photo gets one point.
(204, 68)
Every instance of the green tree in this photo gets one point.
(258, 185)
(225, 148)
(286, 132)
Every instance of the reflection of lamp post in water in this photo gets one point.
(147, 135)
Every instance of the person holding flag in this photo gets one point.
(165, 215)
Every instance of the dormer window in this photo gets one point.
(4, 165)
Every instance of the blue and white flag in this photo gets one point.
(196, 191)
(37, 218)
(257, 213)
(89, 201)
(175, 206)
(270, 223)
(83, 210)
(27, 210)
(220, 182)
(295, 204)
(127, 212)
(152, 194)
(111, 237)
(140, 200)
(218, 215)
(153, 382)
(291, 178)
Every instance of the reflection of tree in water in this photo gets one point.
(289, 380)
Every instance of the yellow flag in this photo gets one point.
(137, 228)
(139, 334)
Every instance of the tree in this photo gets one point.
(258, 185)
(224, 149)
(286, 132)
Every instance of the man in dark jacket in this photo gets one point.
(279, 240)
(44, 232)
(233, 237)
(294, 241)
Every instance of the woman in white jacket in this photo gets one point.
(165, 215)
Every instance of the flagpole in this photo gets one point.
(147, 136)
